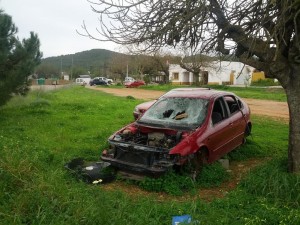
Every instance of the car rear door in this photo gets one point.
(221, 132)
(237, 120)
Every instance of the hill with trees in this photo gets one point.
(101, 62)
(95, 61)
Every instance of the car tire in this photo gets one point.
(197, 162)
(246, 133)
(248, 130)
(201, 159)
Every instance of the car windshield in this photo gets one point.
(185, 113)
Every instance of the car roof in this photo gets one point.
(206, 93)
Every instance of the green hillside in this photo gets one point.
(90, 59)
(95, 61)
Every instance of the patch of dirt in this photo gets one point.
(274, 109)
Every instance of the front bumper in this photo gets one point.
(138, 168)
(140, 159)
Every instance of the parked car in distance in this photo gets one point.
(97, 81)
(129, 79)
(108, 81)
(185, 126)
(135, 83)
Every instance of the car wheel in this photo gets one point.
(248, 130)
(196, 163)
(247, 133)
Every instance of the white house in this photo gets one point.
(219, 72)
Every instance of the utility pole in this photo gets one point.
(72, 68)
(60, 65)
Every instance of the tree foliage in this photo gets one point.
(139, 65)
(17, 59)
(47, 70)
(264, 34)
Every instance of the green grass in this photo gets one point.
(275, 94)
(265, 82)
(45, 130)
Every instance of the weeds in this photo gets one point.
(272, 181)
(170, 183)
(36, 189)
(176, 184)
(212, 176)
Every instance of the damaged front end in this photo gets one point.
(143, 150)
(157, 141)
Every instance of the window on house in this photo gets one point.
(176, 76)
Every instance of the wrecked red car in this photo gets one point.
(185, 126)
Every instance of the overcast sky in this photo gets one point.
(55, 22)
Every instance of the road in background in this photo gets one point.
(273, 109)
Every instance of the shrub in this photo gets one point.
(265, 82)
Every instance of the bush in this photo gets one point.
(265, 82)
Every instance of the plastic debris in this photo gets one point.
(185, 219)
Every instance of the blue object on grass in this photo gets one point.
(177, 220)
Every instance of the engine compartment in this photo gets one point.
(150, 138)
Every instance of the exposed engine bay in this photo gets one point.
(152, 139)
(143, 149)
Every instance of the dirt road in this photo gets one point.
(273, 109)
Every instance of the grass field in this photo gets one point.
(45, 130)
(268, 93)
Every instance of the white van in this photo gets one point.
(83, 79)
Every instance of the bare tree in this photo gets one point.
(196, 63)
(162, 60)
(264, 34)
(118, 66)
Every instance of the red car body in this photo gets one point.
(141, 108)
(136, 83)
(183, 125)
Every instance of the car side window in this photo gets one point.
(234, 105)
(219, 111)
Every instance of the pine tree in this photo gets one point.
(17, 59)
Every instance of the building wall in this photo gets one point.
(223, 72)
(258, 76)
